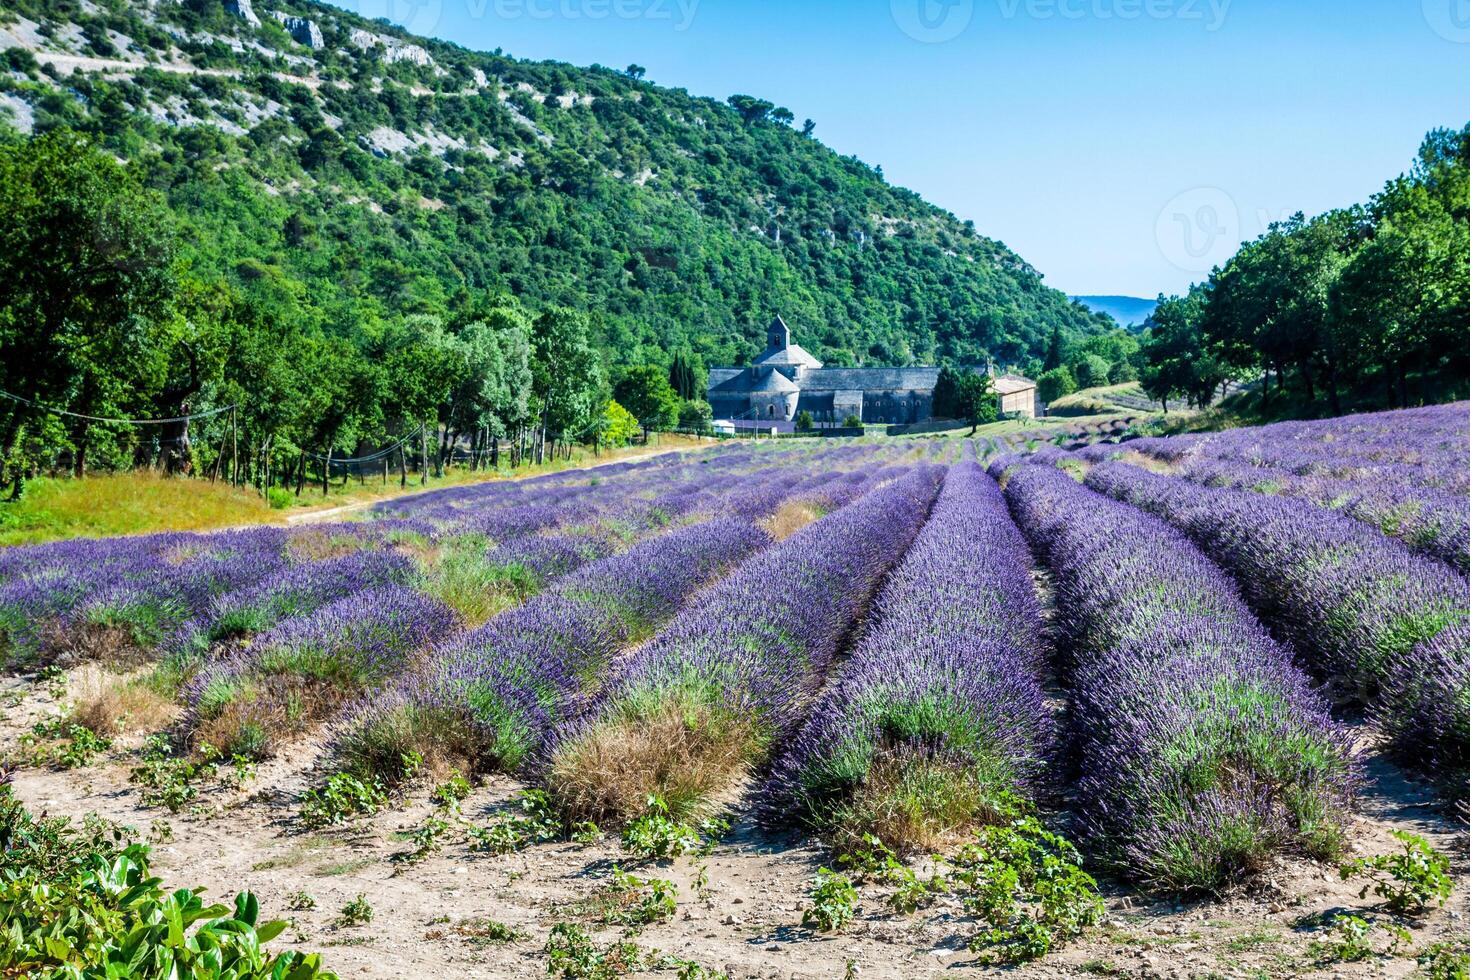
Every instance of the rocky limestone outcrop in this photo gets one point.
(302, 31)
(394, 50)
(243, 10)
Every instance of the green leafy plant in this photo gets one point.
(1408, 882)
(534, 821)
(1027, 887)
(833, 902)
(1351, 940)
(572, 955)
(82, 747)
(83, 904)
(300, 901)
(342, 798)
(637, 902)
(1445, 961)
(167, 782)
(355, 913)
(427, 838)
(450, 793)
(656, 835)
(490, 932)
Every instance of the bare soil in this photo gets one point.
(430, 916)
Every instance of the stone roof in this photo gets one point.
(871, 379)
(757, 381)
(1010, 384)
(788, 356)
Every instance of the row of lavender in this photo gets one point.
(493, 697)
(937, 721)
(339, 608)
(442, 705)
(1391, 626)
(1202, 748)
(1402, 472)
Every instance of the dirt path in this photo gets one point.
(430, 918)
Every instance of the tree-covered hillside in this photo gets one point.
(337, 174)
(1361, 307)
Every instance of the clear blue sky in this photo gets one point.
(1120, 146)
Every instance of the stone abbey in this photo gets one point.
(786, 380)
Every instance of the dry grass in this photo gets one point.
(791, 517)
(915, 805)
(680, 750)
(90, 643)
(114, 704)
(323, 542)
(125, 503)
(110, 504)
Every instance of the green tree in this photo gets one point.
(87, 271)
(619, 425)
(566, 371)
(1054, 384)
(688, 375)
(645, 391)
(1091, 371)
(696, 415)
(804, 421)
(975, 401)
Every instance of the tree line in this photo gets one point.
(1363, 306)
(101, 317)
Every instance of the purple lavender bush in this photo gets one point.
(693, 709)
(303, 669)
(937, 723)
(1203, 749)
(495, 694)
(1355, 601)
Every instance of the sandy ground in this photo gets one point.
(428, 915)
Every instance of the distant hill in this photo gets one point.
(341, 172)
(1129, 311)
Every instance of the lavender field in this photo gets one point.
(1155, 707)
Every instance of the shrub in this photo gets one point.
(1408, 882)
(84, 904)
(279, 498)
(342, 798)
(833, 902)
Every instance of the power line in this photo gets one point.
(367, 459)
(94, 418)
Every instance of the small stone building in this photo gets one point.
(786, 380)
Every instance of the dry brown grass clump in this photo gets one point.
(678, 749)
(113, 704)
(319, 543)
(915, 805)
(791, 517)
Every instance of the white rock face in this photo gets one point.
(304, 32)
(394, 50)
(243, 10)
